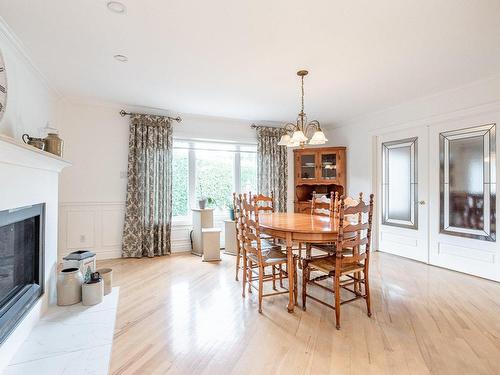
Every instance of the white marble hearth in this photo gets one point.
(69, 340)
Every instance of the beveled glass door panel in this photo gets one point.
(399, 183)
(328, 166)
(468, 182)
(403, 192)
(308, 166)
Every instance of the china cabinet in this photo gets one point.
(319, 170)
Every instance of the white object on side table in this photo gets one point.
(230, 237)
(202, 218)
(211, 244)
(82, 259)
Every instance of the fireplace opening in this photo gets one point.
(21, 264)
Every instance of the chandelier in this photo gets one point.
(298, 134)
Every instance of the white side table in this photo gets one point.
(211, 244)
(202, 218)
(230, 237)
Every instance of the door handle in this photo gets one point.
(421, 203)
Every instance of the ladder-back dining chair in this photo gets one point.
(353, 266)
(322, 205)
(259, 258)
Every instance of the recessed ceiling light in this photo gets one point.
(116, 7)
(121, 58)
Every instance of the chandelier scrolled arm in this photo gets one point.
(290, 127)
(312, 127)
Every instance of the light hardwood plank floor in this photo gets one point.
(177, 315)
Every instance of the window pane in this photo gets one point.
(215, 177)
(248, 170)
(180, 189)
(399, 183)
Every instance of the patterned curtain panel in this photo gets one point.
(148, 212)
(272, 165)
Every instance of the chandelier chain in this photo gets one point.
(302, 78)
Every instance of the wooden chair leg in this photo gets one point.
(305, 279)
(281, 276)
(250, 275)
(274, 277)
(237, 262)
(244, 269)
(295, 283)
(308, 251)
(367, 293)
(261, 286)
(337, 300)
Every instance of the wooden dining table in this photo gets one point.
(296, 227)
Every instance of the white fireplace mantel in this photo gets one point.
(21, 154)
(31, 176)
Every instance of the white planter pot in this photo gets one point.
(92, 293)
(107, 277)
(69, 286)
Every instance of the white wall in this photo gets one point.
(30, 102)
(471, 105)
(93, 190)
(476, 98)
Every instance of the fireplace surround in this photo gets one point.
(29, 177)
(21, 264)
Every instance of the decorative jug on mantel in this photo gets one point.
(35, 142)
(54, 144)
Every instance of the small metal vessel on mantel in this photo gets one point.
(54, 144)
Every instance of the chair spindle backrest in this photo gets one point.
(354, 228)
(263, 203)
(238, 221)
(251, 229)
(322, 205)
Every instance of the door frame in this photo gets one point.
(423, 133)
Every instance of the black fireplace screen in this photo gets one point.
(21, 264)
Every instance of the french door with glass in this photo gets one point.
(437, 195)
(403, 193)
(463, 196)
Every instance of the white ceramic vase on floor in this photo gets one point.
(69, 286)
(107, 278)
(92, 293)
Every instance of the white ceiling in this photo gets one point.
(236, 58)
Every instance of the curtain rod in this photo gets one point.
(123, 114)
(255, 126)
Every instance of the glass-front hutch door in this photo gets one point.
(307, 167)
(328, 166)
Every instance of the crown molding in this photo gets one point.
(18, 45)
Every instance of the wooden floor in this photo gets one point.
(178, 315)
